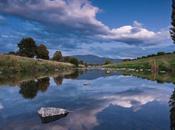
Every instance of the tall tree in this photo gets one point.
(71, 60)
(27, 47)
(57, 56)
(42, 52)
(172, 30)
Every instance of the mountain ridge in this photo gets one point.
(93, 59)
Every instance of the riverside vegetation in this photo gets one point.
(161, 62)
(17, 64)
(158, 67)
(30, 59)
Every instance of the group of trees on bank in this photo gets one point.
(27, 47)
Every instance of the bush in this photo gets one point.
(71, 60)
(57, 56)
(161, 53)
(107, 62)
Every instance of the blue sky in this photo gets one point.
(115, 28)
(154, 14)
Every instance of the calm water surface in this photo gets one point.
(97, 102)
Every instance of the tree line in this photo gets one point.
(151, 55)
(27, 47)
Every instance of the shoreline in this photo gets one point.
(11, 64)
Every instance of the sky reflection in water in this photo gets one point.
(114, 102)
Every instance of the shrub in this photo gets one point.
(107, 62)
(71, 60)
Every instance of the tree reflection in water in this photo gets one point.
(73, 75)
(58, 80)
(172, 110)
(29, 89)
(43, 84)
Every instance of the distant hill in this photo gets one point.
(92, 59)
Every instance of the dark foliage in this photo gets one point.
(71, 60)
(107, 62)
(27, 47)
(152, 55)
(29, 89)
(42, 52)
(172, 29)
(57, 56)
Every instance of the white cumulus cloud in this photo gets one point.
(80, 16)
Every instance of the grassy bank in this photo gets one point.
(10, 64)
(161, 63)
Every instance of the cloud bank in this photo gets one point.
(79, 16)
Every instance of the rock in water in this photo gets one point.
(48, 114)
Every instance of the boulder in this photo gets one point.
(48, 114)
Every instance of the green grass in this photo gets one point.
(15, 64)
(163, 63)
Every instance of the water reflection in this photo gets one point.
(29, 89)
(159, 77)
(58, 80)
(43, 84)
(16, 78)
(172, 110)
(110, 101)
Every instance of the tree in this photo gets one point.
(172, 30)
(57, 56)
(71, 60)
(74, 61)
(161, 53)
(42, 52)
(27, 47)
(12, 53)
(107, 62)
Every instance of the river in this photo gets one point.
(97, 101)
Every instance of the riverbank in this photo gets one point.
(10, 64)
(162, 63)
